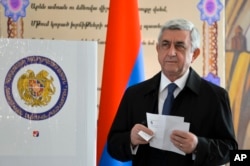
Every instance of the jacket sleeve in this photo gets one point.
(216, 150)
(118, 144)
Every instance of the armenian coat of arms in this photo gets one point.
(36, 89)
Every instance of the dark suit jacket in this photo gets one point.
(204, 105)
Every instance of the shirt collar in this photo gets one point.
(180, 82)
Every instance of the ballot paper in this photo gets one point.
(162, 126)
(145, 136)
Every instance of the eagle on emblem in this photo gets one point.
(36, 89)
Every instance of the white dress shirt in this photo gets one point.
(163, 91)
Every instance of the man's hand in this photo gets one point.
(185, 141)
(136, 139)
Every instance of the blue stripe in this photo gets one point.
(138, 71)
(107, 160)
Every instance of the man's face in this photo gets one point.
(175, 53)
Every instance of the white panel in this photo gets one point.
(48, 119)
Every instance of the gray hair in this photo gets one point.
(182, 24)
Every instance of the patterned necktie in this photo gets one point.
(169, 99)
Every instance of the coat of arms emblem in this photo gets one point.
(36, 89)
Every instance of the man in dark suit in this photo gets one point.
(204, 105)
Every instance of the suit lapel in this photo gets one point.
(151, 94)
